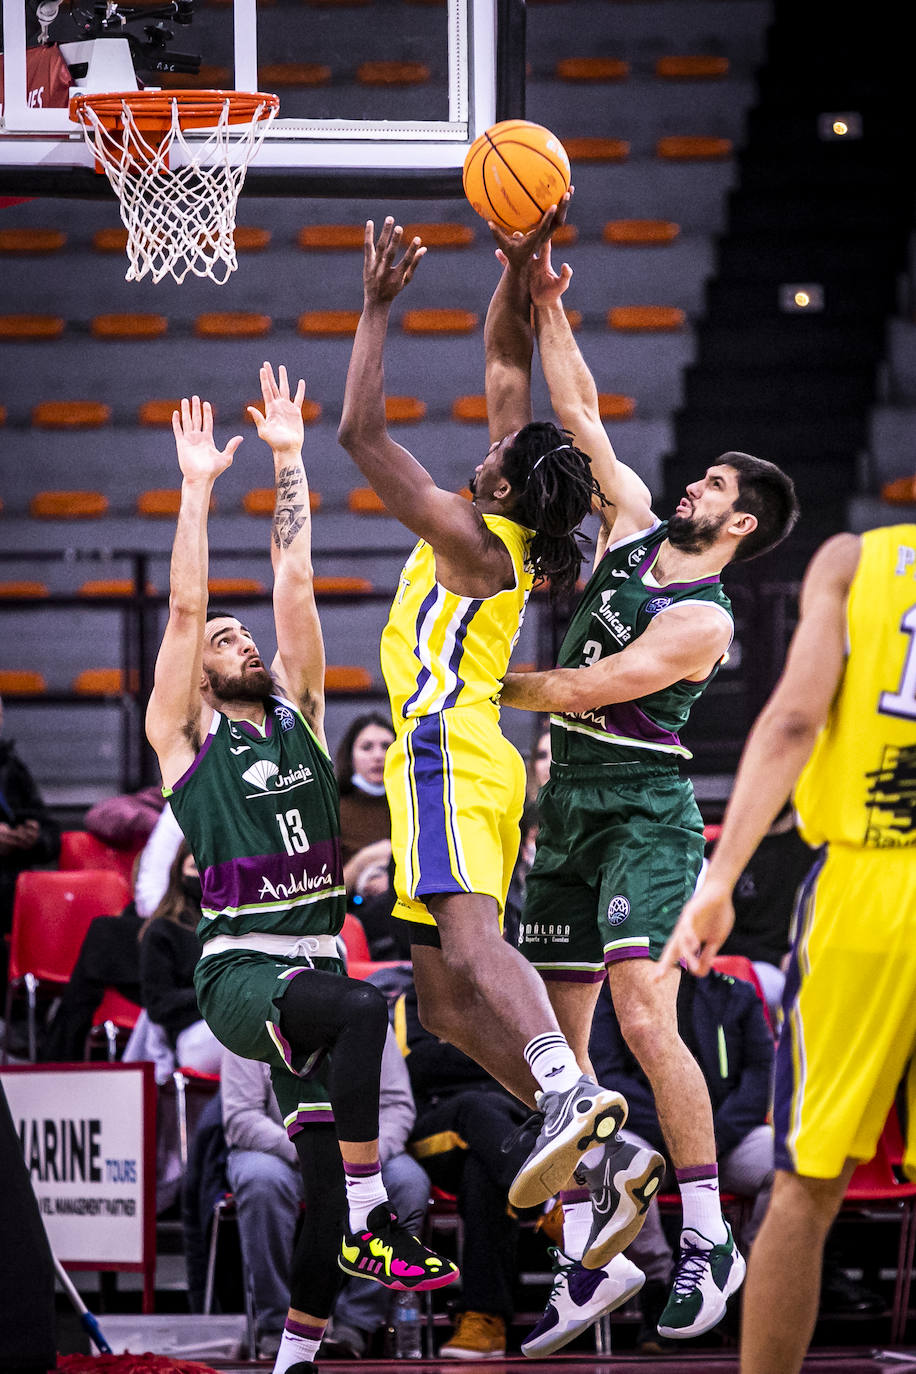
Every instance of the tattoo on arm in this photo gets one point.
(290, 510)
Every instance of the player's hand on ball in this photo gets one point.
(384, 275)
(516, 250)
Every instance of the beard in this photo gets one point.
(690, 535)
(472, 485)
(256, 685)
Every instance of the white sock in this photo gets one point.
(702, 1208)
(365, 1190)
(552, 1062)
(299, 1345)
(577, 1221)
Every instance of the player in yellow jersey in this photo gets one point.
(455, 785)
(841, 723)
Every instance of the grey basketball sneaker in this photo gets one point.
(621, 1185)
(585, 1115)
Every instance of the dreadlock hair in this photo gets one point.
(554, 488)
(766, 492)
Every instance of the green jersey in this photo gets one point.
(260, 811)
(618, 604)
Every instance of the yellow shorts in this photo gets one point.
(849, 1030)
(456, 788)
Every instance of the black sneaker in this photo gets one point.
(387, 1253)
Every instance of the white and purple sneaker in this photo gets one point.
(578, 1298)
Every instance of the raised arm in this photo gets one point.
(776, 751)
(574, 397)
(173, 716)
(299, 665)
(444, 519)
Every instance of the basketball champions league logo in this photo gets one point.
(891, 799)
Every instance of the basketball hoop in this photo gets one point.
(180, 219)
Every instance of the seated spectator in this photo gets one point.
(29, 836)
(539, 760)
(372, 899)
(169, 951)
(360, 767)
(765, 900)
(109, 957)
(126, 820)
(263, 1173)
(722, 1022)
(463, 1120)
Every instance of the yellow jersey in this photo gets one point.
(859, 786)
(439, 649)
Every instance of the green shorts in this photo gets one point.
(239, 994)
(616, 861)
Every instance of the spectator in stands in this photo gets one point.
(722, 1022)
(169, 951)
(360, 767)
(539, 761)
(126, 820)
(109, 957)
(765, 900)
(29, 836)
(263, 1174)
(463, 1119)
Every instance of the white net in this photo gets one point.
(178, 220)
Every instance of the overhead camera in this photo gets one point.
(149, 52)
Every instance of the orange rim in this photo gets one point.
(153, 109)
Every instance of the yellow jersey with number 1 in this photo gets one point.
(859, 786)
(439, 649)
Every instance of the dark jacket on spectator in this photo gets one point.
(20, 800)
(722, 1022)
(169, 952)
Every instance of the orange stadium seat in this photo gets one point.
(232, 324)
(597, 149)
(643, 318)
(325, 236)
(31, 327)
(156, 413)
(274, 75)
(328, 322)
(364, 501)
(615, 407)
(31, 240)
(439, 321)
(161, 502)
(68, 505)
(693, 148)
(592, 69)
(128, 326)
(640, 231)
(112, 586)
(382, 73)
(401, 410)
(342, 586)
(21, 682)
(311, 410)
(235, 586)
(71, 414)
(105, 682)
(261, 501)
(470, 409)
(248, 238)
(691, 68)
(210, 77)
(23, 587)
(566, 235)
(109, 240)
(347, 677)
(900, 492)
(2, 422)
(440, 234)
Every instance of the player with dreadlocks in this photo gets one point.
(455, 784)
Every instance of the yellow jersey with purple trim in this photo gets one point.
(439, 649)
(859, 786)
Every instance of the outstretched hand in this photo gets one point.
(198, 456)
(516, 250)
(703, 927)
(545, 285)
(281, 424)
(383, 278)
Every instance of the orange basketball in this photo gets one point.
(514, 172)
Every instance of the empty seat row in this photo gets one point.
(27, 588)
(164, 502)
(16, 682)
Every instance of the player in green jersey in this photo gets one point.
(245, 765)
(620, 843)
